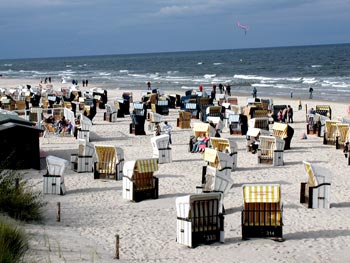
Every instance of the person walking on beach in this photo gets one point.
(311, 90)
(83, 82)
(279, 116)
(200, 88)
(213, 93)
(220, 88)
(254, 92)
(149, 85)
(299, 104)
(86, 83)
(167, 130)
(228, 89)
(290, 114)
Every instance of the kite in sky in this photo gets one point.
(244, 27)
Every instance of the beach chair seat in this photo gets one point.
(54, 178)
(315, 193)
(110, 162)
(262, 211)
(82, 162)
(200, 219)
(330, 133)
(161, 149)
(342, 135)
(139, 183)
(283, 131)
(83, 130)
(271, 150)
(198, 130)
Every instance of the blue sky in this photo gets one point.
(54, 28)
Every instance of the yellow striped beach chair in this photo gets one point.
(330, 133)
(342, 135)
(138, 180)
(262, 211)
(109, 164)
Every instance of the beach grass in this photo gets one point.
(13, 242)
(17, 199)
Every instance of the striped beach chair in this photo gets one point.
(200, 219)
(271, 150)
(315, 193)
(138, 180)
(110, 161)
(283, 131)
(262, 211)
(342, 135)
(216, 176)
(330, 133)
(228, 146)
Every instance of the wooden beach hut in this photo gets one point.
(19, 141)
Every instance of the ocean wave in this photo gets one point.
(124, 71)
(316, 66)
(217, 63)
(209, 76)
(104, 74)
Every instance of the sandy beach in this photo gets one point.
(93, 211)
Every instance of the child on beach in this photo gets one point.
(167, 130)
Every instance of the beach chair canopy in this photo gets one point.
(255, 132)
(217, 159)
(200, 128)
(56, 165)
(261, 193)
(220, 144)
(184, 204)
(160, 142)
(316, 174)
(280, 130)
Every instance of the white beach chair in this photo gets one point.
(200, 219)
(84, 128)
(315, 193)
(271, 150)
(54, 180)
(82, 162)
(138, 180)
(161, 149)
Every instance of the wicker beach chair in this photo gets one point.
(252, 136)
(271, 150)
(342, 135)
(139, 183)
(228, 146)
(54, 178)
(198, 130)
(330, 134)
(222, 162)
(324, 110)
(283, 131)
(110, 162)
(315, 193)
(161, 149)
(200, 219)
(82, 161)
(184, 120)
(153, 119)
(262, 211)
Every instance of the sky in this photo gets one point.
(58, 28)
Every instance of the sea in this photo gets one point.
(278, 71)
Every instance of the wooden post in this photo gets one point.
(306, 112)
(116, 247)
(58, 218)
